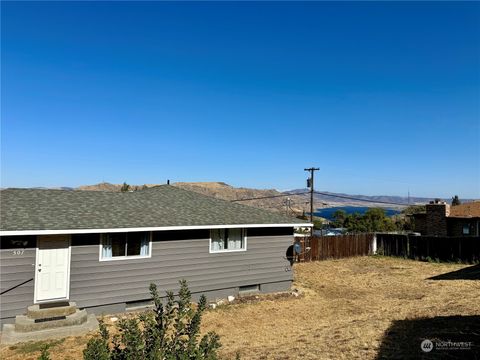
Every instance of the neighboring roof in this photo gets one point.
(160, 206)
(467, 210)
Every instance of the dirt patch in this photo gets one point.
(281, 296)
(347, 314)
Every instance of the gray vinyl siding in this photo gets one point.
(14, 270)
(95, 283)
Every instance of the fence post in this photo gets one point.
(407, 255)
(460, 249)
(428, 247)
(374, 244)
(308, 253)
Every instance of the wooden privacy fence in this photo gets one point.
(465, 249)
(335, 247)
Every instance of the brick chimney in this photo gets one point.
(436, 219)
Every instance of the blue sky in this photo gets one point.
(383, 97)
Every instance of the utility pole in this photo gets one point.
(310, 185)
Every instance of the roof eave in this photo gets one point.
(161, 228)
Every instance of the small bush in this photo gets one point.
(380, 250)
(169, 332)
(45, 354)
(97, 348)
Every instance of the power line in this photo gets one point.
(359, 199)
(321, 193)
(271, 196)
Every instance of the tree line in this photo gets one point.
(374, 219)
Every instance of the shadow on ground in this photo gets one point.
(468, 273)
(403, 338)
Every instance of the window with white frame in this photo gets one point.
(125, 245)
(227, 240)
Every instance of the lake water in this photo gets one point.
(328, 212)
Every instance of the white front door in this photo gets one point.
(52, 277)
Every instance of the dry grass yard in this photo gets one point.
(357, 308)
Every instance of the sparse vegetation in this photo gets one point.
(31, 347)
(373, 220)
(45, 354)
(456, 201)
(414, 209)
(338, 217)
(170, 332)
(125, 187)
(347, 311)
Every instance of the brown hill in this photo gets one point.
(219, 190)
(224, 191)
(104, 186)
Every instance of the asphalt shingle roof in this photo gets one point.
(161, 206)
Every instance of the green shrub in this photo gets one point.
(97, 348)
(169, 332)
(45, 354)
(380, 250)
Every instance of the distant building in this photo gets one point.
(329, 232)
(301, 231)
(441, 219)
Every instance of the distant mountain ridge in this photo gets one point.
(392, 199)
(272, 199)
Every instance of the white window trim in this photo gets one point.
(210, 251)
(126, 257)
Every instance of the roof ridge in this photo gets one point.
(76, 190)
(65, 190)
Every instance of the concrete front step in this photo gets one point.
(25, 324)
(44, 311)
(10, 336)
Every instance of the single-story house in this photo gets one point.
(441, 219)
(101, 250)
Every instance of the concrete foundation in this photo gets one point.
(25, 324)
(10, 336)
(44, 311)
